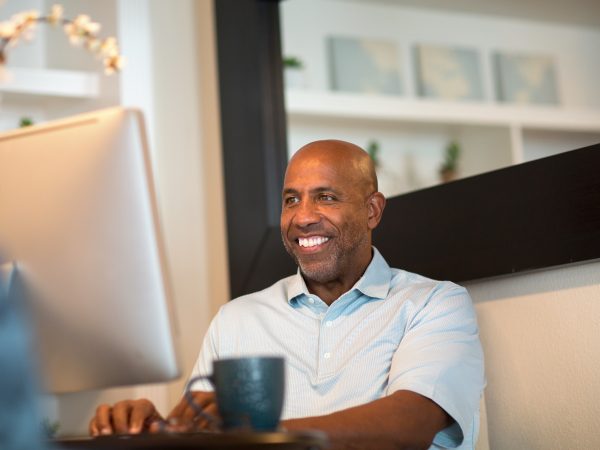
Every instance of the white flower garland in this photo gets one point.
(81, 32)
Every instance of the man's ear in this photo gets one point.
(375, 206)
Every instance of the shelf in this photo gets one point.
(306, 103)
(49, 82)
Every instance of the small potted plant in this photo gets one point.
(294, 76)
(25, 122)
(373, 151)
(449, 169)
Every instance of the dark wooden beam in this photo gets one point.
(529, 216)
(253, 136)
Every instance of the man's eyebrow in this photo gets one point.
(289, 191)
(315, 190)
(328, 189)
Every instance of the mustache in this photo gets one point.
(308, 230)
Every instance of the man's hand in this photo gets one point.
(126, 417)
(135, 416)
(185, 417)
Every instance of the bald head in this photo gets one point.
(350, 159)
(330, 206)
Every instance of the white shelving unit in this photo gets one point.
(412, 132)
(43, 93)
(50, 83)
(491, 135)
(37, 93)
(327, 104)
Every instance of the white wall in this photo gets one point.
(188, 159)
(171, 75)
(540, 335)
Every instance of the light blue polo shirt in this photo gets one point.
(394, 330)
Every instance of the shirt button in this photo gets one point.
(329, 323)
(311, 300)
(327, 355)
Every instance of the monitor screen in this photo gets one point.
(78, 220)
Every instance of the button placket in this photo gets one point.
(325, 342)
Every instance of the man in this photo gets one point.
(376, 357)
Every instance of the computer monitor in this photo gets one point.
(78, 219)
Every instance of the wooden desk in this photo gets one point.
(309, 440)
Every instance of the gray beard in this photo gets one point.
(325, 271)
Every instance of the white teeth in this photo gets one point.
(312, 241)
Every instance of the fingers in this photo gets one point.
(184, 409)
(129, 416)
(203, 423)
(184, 413)
(101, 423)
(142, 415)
(120, 417)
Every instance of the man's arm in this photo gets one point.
(402, 420)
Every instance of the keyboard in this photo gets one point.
(305, 440)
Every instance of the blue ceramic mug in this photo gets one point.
(249, 392)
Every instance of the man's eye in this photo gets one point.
(326, 197)
(290, 200)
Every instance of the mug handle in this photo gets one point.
(212, 420)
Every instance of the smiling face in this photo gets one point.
(330, 205)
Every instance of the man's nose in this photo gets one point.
(306, 214)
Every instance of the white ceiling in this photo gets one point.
(574, 12)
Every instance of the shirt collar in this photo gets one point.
(374, 283)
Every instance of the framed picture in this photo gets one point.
(525, 79)
(451, 73)
(364, 65)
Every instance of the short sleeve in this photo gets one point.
(440, 357)
(208, 353)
